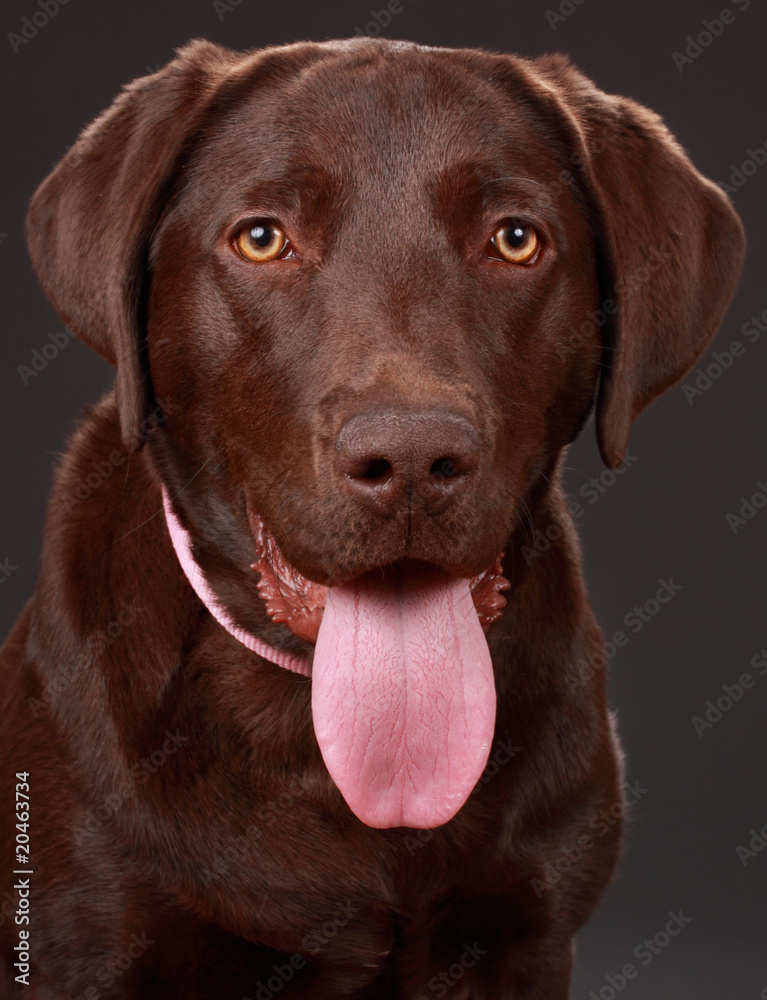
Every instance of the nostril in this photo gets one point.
(374, 470)
(444, 468)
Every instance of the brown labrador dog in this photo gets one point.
(299, 707)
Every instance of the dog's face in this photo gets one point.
(385, 288)
(376, 286)
(375, 289)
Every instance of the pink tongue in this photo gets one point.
(403, 696)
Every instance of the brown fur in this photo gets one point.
(388, 164)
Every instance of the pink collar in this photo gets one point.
(183, 548)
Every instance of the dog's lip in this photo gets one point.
(298, 602)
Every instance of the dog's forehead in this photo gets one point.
(405, 120)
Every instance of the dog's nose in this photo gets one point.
(407, 459)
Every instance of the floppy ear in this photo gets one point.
(90, 221)
(672, 249)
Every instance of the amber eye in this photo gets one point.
(260, 242)
(517, 243)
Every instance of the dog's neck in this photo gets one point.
(182, 545)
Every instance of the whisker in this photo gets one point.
(153, 516)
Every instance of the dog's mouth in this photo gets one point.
(403, 692)
(298, 603)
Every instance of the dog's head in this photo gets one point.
(376, 288)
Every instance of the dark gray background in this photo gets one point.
(664, 517)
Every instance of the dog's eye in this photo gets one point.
(260, 242)
(517, 243)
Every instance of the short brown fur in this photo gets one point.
(388, 163)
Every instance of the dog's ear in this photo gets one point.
(90, 221)
(672, 249)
